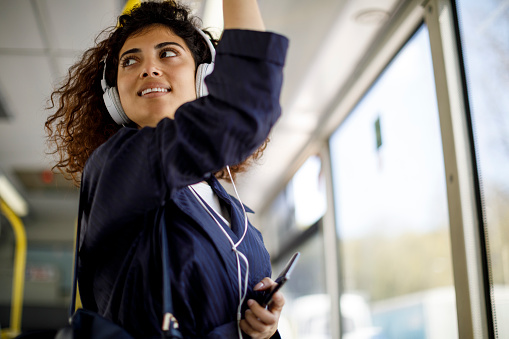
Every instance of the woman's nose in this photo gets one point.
(150, 71)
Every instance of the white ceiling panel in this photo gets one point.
(305, 23)
(74, 24)
(18, 25)
(345, 43)
(24, 81)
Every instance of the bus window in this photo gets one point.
(391, 204)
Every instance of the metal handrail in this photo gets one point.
(18, 278)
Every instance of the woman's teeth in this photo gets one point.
(150, 90)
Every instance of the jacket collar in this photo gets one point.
(186, 201)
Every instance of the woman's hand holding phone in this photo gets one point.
(261, 322)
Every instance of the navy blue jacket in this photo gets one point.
(136, 173)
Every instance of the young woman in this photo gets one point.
(160, 169)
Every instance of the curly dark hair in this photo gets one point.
(81, 122)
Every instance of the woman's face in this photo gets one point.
(156, 75)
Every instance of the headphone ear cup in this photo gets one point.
(114, 107)
(201, 72)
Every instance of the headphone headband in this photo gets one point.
(209, 43)
(104, 85)
(204, 69)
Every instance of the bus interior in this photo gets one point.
(387, 171)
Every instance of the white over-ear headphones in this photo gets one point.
(112, 99)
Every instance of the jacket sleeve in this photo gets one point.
(137, 170)
(230, 123)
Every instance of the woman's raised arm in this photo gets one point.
(242, 14)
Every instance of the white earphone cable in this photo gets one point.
(238, 254)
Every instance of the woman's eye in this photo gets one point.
(168, 54)
(128, 62)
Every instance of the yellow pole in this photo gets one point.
(129, 5)
(18, 278)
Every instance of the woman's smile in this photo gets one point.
(149, 90)
(145, 93)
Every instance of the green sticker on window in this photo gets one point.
(378, 133)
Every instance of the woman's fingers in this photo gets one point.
(261, 314)
(259, 322)
(265, 284)
(256, 323)
(278, 301)
(247, 328)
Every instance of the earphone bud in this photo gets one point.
(112, 99)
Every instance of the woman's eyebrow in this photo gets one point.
(158, 46)
(164, 44)
(132, 50)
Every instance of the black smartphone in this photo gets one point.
(282, 278)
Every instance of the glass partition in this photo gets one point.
(294, 224)
(307, 305)
(391, 206)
